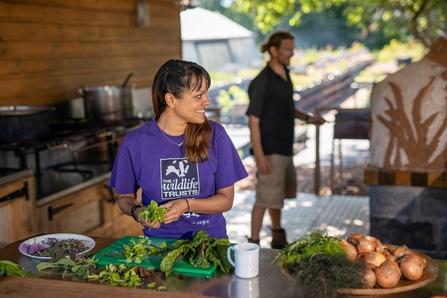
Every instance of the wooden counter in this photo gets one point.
(271, 282)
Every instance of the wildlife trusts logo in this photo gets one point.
(179, 178)
(181, 171)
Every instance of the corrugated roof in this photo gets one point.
(201, 24)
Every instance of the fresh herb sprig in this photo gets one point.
(81, 268)
(154, 212)
(137, 250)
(119, 276)
(317, 241)
(8, 268)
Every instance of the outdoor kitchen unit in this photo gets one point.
(69, 160)
(407, 172)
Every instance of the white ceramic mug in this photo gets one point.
(246, 259)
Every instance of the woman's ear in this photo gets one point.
(169, 99)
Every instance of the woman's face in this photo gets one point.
(191, 107)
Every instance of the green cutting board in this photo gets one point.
(112, 254)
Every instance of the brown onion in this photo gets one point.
(365, 245)
(350, 250)
(388, 274)
(375, 258)
(354, 238)
(379, 246)
(399, 251)
(412, 266)
(355, 235)
(369, 278)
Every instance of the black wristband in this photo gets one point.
(189, 208)
(133, 210)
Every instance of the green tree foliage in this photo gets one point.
(380, 20)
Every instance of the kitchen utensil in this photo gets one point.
(127, 80)
(108, 103)
(246, 259)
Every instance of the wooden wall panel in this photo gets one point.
(51, 48)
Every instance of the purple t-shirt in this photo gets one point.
(154, 162)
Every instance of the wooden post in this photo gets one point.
(317, 157)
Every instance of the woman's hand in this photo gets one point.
(143, 222)
(176, 208)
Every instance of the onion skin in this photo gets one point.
(388, 274)
(369, 278)
(355, 235)
(350, 250)
(378, 244)
(399, 251)
(412, 266)
(365, 245)
(375, 258)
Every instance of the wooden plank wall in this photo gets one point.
(51, 48)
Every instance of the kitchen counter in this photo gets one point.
(271, 282)
(10, 175)
(70, 190)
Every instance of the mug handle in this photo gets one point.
(230, 259)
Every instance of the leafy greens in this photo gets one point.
(154, 212)
(202, 252)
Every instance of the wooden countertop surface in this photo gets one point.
(271, 282)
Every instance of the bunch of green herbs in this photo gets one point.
(81, 268)
(8, 268)
(154, 212)
(137, 250)
(119, 276)
(320, 265)
(202, 251)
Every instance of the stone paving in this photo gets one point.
(338, 215)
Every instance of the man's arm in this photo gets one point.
(255, 137)
(308, 117)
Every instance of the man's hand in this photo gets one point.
(316, 120)
(262, 164)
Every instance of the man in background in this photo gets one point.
(271, 120)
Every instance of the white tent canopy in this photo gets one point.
(216, 42)
(202, 24)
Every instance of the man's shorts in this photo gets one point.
(280, 183)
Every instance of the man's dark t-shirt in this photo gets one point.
(271, 100)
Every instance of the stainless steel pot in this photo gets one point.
(108, 103)
(25, 123)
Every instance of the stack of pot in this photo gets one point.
(109, 103)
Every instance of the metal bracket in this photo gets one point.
(18, 193)
(52, 211)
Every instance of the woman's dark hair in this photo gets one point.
(275, 40)
(179, 77)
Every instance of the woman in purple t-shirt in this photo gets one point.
(181, 159)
